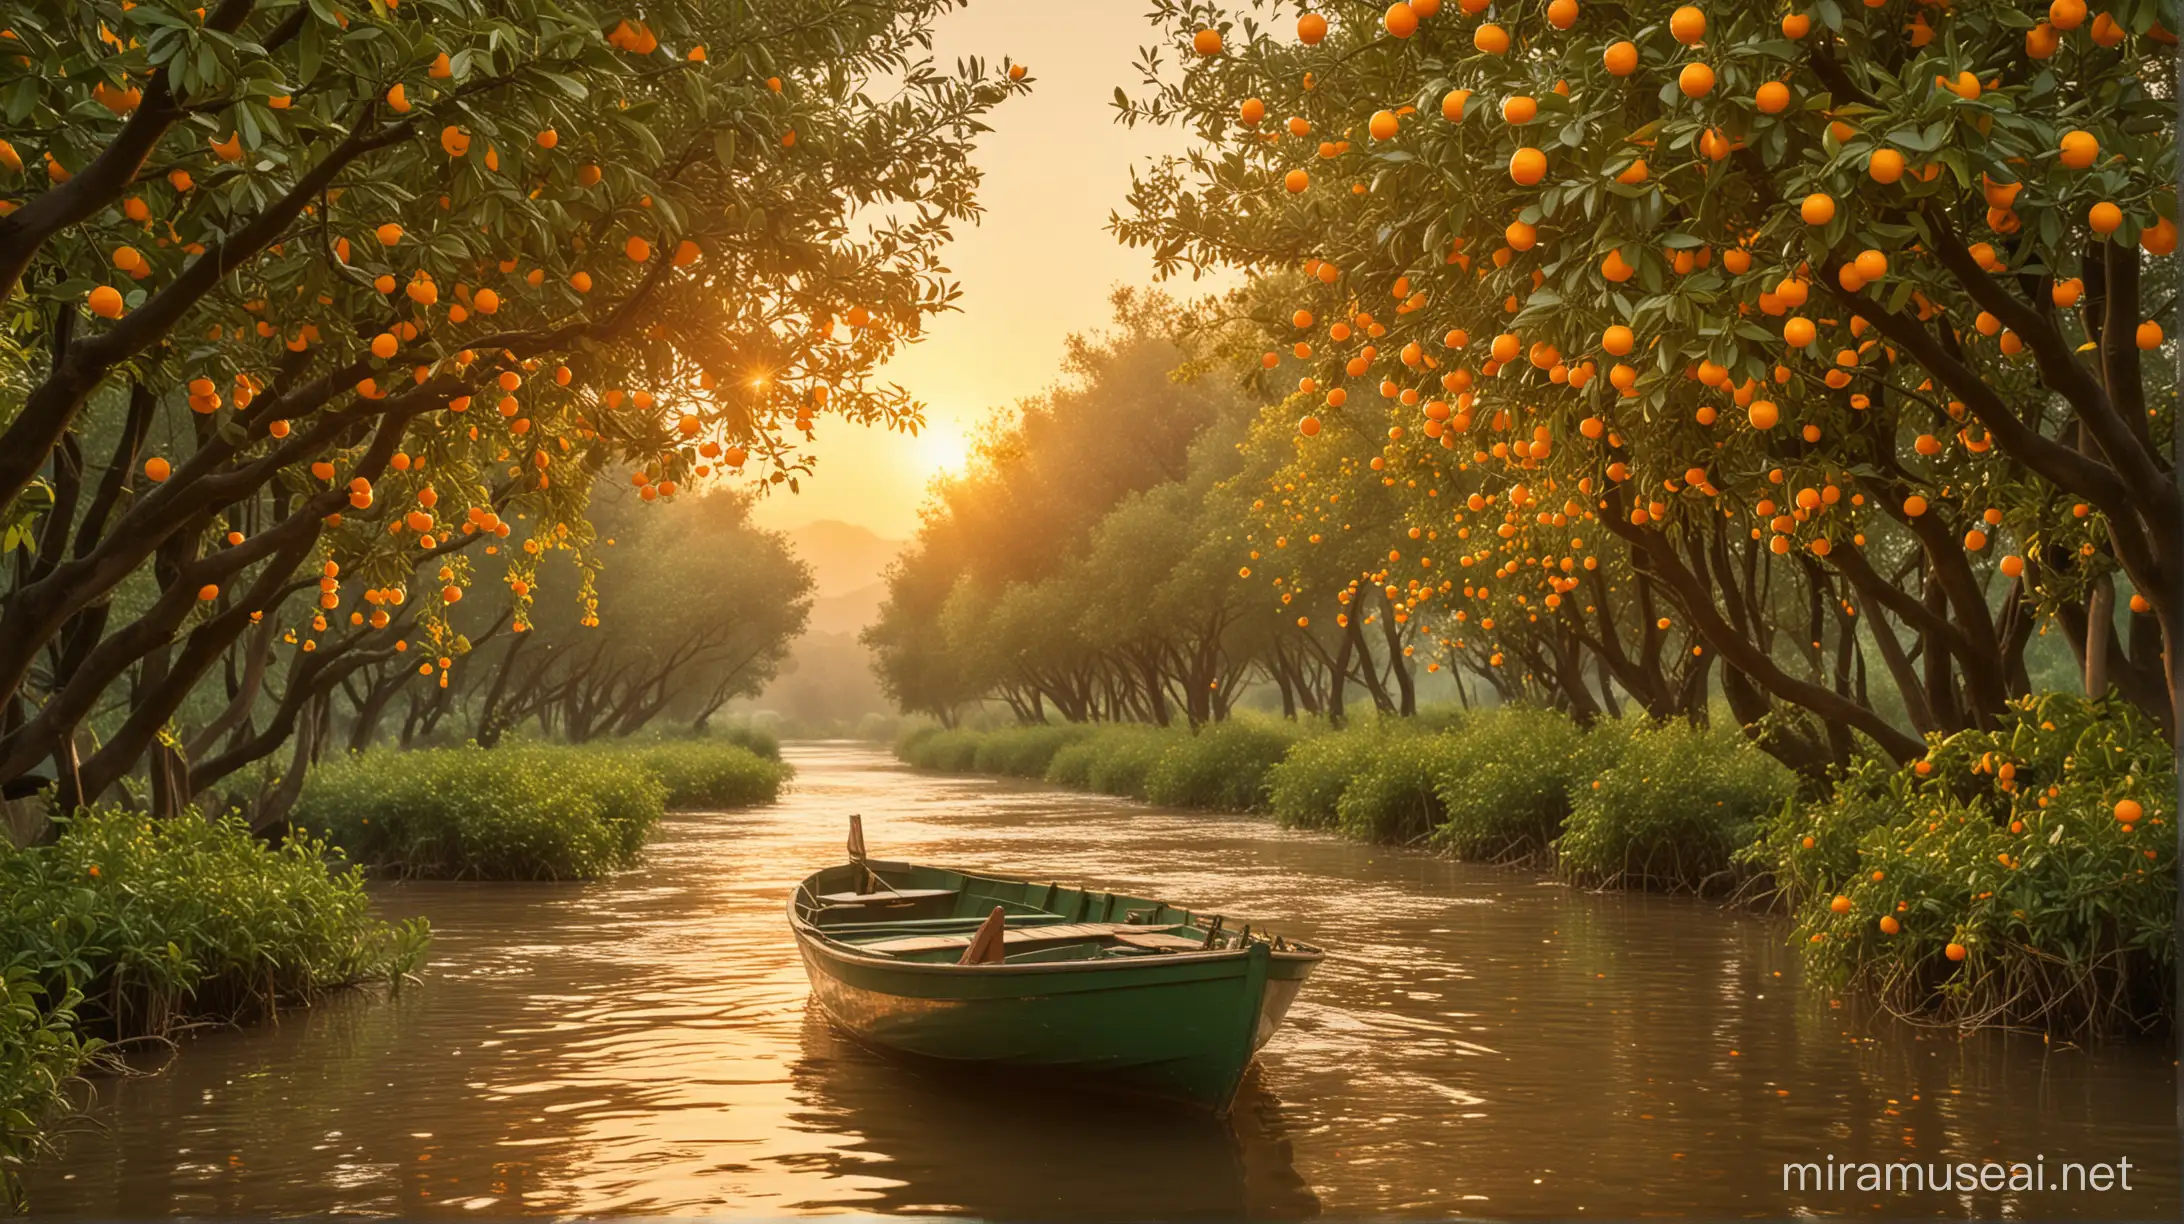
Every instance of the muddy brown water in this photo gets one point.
(1480, 1043)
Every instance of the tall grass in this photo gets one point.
(528, 812)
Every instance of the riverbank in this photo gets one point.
(2022, 876)
(1479, 1045)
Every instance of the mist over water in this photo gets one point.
(1480, 1043)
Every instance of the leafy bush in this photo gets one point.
(40, 1051)
(1024, 752)
(1672, 810)
(2008, 846)
(528, 813)
(123, 926)
(711, 774)
(1509, 776)
(750, 736)
(1223, 767)
(1395, 796)
(947, 751)
(1123, 758)
(1304, 791)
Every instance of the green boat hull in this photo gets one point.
(1180, 1024)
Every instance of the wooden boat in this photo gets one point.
(1125, 993)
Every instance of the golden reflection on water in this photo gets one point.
(1480, 1043)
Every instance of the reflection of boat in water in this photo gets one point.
(928, 1139)
(1126, 993)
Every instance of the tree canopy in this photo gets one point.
(327, 315)
(1783, 339)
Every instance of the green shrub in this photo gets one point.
(2008, 845)
(1071, 765)
(1509, 776)
(40, 1052)
(711, 774)
(1122, 758)
(1395, 794)
(518, 812)
(751, 737)
(123, 926)
(947, 751)
(1304, 790)
(1024, 752)
(1672, 810)
(1223, 767)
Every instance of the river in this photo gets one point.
(1481, 1042)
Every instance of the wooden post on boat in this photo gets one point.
(857, 853)
(987, 947)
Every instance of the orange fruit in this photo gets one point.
(1519, 109)
(1889, 925)
(1206, 42)
(389, 234)
(1840, 905)
(1452, 104)
(1490, 38)
(1799, 332)
(548, 139)
(1382, 125)
(1296, 181)
(1311, 28)
(637, 249)
(105, 302)
(1617, 340)
(1309, 427)
(1773, 98)
(1955, 951)
(1621, 58)
(2077, 149)
(1688, 25)
(1696, 80)
(1400, 20)
(1562, 14)
(1817, 208)
(2104, 217)
(2128, 811)
(1763, 414)
(1914, 506)
(1527, 166)
(1885, 165)
(2149, 335)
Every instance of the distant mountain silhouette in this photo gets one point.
(844, 557)
(827, 679)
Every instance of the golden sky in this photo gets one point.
(1037, 268)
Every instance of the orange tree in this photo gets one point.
(353, 301)
(1837, 320)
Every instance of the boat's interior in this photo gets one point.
(933, 915)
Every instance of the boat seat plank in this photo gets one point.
(1159, 942)
(1064, 932)
(899, 894)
